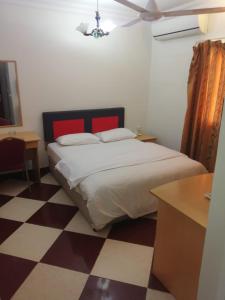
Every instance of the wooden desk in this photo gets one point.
(180, 234)
(31, 143)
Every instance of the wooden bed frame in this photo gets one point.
(77, 121)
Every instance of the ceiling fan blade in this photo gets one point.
(133, 22)
(151, 6)
(132, 6)
(197, 11)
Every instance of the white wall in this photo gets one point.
(168, 84)
(59, 69)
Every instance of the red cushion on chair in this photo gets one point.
(104, 123)
(67, 127)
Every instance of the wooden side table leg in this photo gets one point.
(36, 167)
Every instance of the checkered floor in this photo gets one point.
(48, 250)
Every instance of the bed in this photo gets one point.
(110, 181)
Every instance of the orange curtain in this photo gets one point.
(206, 92)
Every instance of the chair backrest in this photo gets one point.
(11, 154)
(4, 122)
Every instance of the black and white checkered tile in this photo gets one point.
(48, 250)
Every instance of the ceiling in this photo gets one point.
(111, 8)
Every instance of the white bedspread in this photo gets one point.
(115, 178)
(87, 160)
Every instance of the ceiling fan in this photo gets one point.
(152, 13)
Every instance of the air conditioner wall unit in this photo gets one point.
(178, 27)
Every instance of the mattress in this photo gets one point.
(123, 189)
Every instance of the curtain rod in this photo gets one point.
(219, 38)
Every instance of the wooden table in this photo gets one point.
(146, 138)
(180, 234)
(31, 145)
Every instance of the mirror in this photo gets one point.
(10, 110)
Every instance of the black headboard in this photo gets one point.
(74, 121)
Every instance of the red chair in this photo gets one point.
(12, 152)
(4, 122)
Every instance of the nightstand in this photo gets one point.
(146, 138)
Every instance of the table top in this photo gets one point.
(145, 137)
(27, 136)
(187, 196)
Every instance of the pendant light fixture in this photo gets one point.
(96, 32)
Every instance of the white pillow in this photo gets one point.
(77, 139)
(116, 134)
